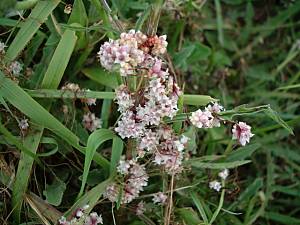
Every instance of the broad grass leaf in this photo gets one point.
(117, 149)
(54, 192)
(37, 17)
(189, 216)
(94, 141)
(222, 165)
(101, 76)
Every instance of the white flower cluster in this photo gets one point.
(216, 185)
(15, 68)
(2, 47)
(129, 52)
(23, 124)
(80, 217)
(91, 122)
(159, 198)
(135, 179)
(209, 118)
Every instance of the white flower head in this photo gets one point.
(23, 124)
(215, 185)
(242, 132)
(15, 68)
(224, 174)
(159, 198)
(2, 47)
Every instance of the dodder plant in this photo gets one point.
(153, 176)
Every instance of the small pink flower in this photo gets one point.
(242, 132)
(201, 119)
(159, 198)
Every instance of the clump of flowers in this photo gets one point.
(91, 122)
(81, 217)
(134, 179)
(2, 47)
(145, 108)
(217, 185)
(15, 68)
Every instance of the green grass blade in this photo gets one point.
(94, 141)
(91, 197)
(101, 76)
(224, 165)
(197, 99)
(37, 17)
(44, 93)
(200, 208)
(59, 60)
(117, 149)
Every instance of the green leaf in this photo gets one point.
(91, 197)
(37, 17)
(101, 76)
(282, 219)
(44, 93)
(199, 100)
(117, 149)
(59, 60)
(78, 14)
(94, 141)
(189, 216)
(141, 20)
(180, 58)
(54, 192)
(242, 152)
(274, 116)
(199, 206)
(42, 208)
(224, 165)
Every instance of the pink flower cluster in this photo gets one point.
(130, 51)
(143, 111)
(135, 179)
(209, 118)
(80, 216)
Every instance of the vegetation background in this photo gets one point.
(238, 51)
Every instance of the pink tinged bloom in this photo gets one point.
(93, 219)
(128, 127)
(140, 209)
(123, 98)
(63, 221)
(91, 122)
(201, 119)
(215, 108)
(224, 174)
(71, 87)
(215, 185)
(135, 180)
(159, 198)
(242, 132)
(149, 141)
(15, 68)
